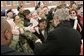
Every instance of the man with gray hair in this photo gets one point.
(61, 14)
(63, 40)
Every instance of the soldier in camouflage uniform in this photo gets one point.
(23, 42)
(23, 45)
(19, 24)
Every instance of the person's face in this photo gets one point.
(73, 13)
(45, 10)
(43, 25)
(17, 19)
(81, 13)
(10, 14)
(28, 16)
(34, 15)
(55, 21)
(41, 12)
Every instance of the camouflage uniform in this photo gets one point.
(23, 45)
(14, 41)
(21, 16)
(16, 37)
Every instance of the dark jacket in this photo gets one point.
(62, 41)
(41, 36)
(8, 51)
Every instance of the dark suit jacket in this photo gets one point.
(41, 36)
(62, 41)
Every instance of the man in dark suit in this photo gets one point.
(6, 37)
(63, 40)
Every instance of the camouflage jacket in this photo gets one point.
(21, 16)
(23, 45)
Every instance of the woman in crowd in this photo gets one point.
(25, 37)
(42, 28)
(10, 20)
(75, 20)
(15, 30)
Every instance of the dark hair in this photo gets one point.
(26, 12)
(36, 7)
(39, 3)
(42, 20)
(10, 10)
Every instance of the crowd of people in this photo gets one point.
(44, 31)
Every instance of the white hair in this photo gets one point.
(62, 14)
